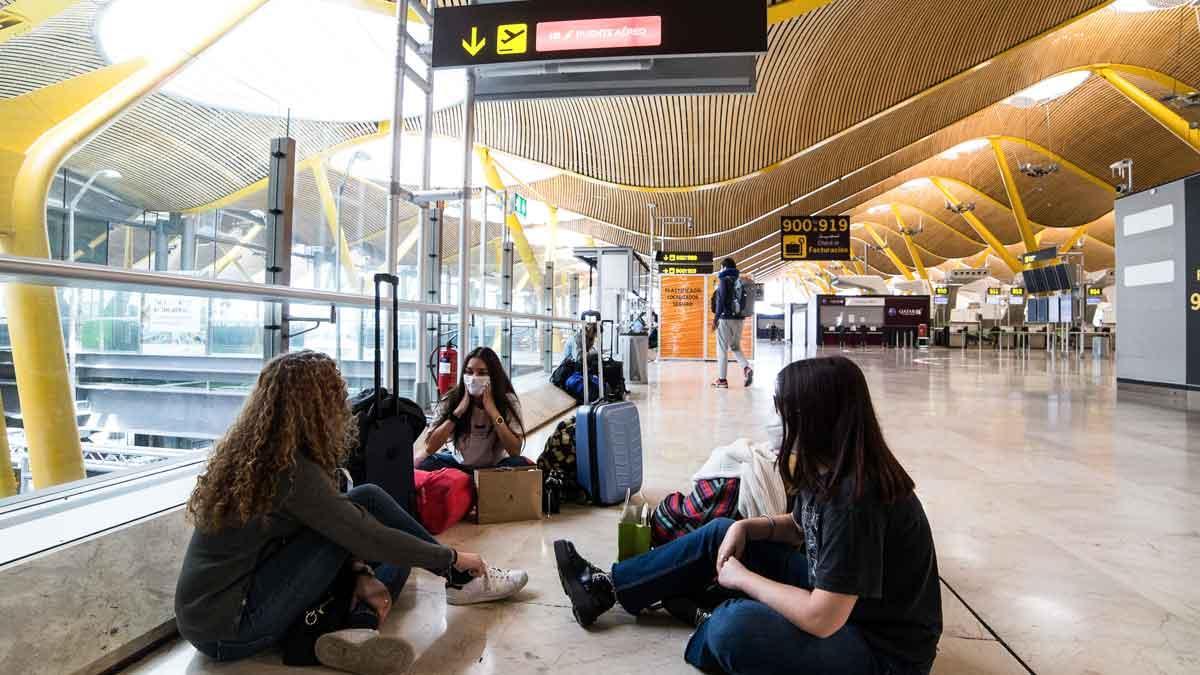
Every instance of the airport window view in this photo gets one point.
(431, 336)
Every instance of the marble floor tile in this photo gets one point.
(1067, 519)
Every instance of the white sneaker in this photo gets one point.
(364, 651)
(497, 584)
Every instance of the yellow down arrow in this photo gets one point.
(475, 45)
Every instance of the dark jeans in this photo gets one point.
(446, 460)
(296, 576)
(744, 636)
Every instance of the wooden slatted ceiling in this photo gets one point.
(173, 154)
(814, 83)
(1101, 37)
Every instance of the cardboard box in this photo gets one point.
(509, 495)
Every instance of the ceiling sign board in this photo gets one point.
(683, 268)
(574, 48)
(1040, 256)
(578, 30)
(814, 238)
(689, 258)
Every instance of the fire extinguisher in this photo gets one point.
(447, 369)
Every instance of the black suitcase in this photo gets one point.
(388, 425)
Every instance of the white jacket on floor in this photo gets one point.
(761, 491)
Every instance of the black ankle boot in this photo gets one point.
(589, 588)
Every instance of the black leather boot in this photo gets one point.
(589, 588)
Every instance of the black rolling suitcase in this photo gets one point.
(388, 425)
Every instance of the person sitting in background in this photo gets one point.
(482, 415)
(273, 534)
(575, 348)
(846, 583)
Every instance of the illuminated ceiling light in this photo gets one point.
(960, 208)
(1049, 89)
(1133, 6)
(310, 59)
(1038, 170)
(880, 208)
(915, 184)
(966, 148)
(446, 163)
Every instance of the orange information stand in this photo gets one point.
(685, 328)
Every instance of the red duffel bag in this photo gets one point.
(444, 497)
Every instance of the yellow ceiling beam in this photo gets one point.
(982, 230)
(332, 218)
(383, 131)
(887, 250)
(1153, 107)
(39, 131)
(910, 244)
(23, 16)
(790, 9)
(520, 242)
(1014, 197)
(1069, 244)
(938, 221)
(1058, 159)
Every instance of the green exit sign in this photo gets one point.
(519, 205)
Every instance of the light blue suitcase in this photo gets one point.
(608, 448)
(608, 443)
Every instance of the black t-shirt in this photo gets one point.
(882, 553)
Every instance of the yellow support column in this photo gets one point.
(23, 16)
(910, 244)
(514, 224)
(1153, 107)
(887, 250)
(8, 482)
(38, 131)
(982, 230)
(330, 207)
(1014, 197)
(1075, 237)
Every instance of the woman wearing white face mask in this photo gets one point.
(482, 416)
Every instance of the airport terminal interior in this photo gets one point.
(200, 199)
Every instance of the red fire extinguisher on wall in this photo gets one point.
(447, 369)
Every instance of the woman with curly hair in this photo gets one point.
(273, 532)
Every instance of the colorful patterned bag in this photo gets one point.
(678, 514)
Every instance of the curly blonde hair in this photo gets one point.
(298, 405)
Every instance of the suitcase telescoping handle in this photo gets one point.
(394, 281)
(600, 362)
(612, 345)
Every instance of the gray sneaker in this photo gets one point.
(364, 651)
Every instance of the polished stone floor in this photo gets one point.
(1066, 519)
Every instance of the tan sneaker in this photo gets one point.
(364, 651)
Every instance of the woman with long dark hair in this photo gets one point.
(846, 583)
(482, 415)
(273, 534)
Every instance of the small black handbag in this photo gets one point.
(330, 612)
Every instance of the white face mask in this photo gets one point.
(476, 384)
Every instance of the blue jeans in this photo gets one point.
(744, 636)
(447, 460)
(296, 576)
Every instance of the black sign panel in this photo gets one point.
(820, 238)
(942, 290)
(906, 310)
(1017, 292)
(1038, 256)
(689, 258)
(569, 30)
(685, 268)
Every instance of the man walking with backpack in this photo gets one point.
(730, 305)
